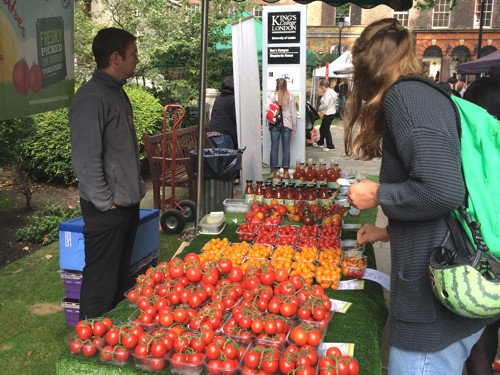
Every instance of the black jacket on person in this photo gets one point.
(223, 119)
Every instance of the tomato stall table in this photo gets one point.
(361, 325)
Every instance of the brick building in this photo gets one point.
(444, 38)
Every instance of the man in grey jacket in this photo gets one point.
(105, 159)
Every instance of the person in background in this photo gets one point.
(452, 81)
(411, 125)
(336, 88)
(105, 159)
(289, 114)
(343, 91)
(328, 107)
(221, 130)
(485, 92)
(461, 87)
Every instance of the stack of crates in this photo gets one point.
(72, 257)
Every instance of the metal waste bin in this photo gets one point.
(219, 171)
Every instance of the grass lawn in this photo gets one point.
(32, 322)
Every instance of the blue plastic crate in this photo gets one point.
(72, 243)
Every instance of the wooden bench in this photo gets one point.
(187, 140)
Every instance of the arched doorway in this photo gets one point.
(459, 55)
(485, 51)
(431, 62)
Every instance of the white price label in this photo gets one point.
(379, 277)
(345, 348)
(354, 284)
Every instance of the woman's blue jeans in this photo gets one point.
(449, 361)
(222, 141)
(285, 135)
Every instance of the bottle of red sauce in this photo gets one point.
(321, 175)
(299, 193)
(299, 173)
(259, 192)
(285, 177)
(310, 195)
(323, 197)
(310, 177)
(290, 195)
(268, 193)
(276, 176)
(249, 195)
(279, 194)
(332, 176)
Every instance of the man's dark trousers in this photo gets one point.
(109, 240)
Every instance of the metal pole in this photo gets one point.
(201, 103)
(481, 22)
(340, 40)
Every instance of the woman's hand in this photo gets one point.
(363, 194)
(370, 233)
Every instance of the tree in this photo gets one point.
(168, 39)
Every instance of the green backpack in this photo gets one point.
(480, 150)
(463, 279)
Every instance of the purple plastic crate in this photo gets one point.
(72, 284)
(71, 310)
(73, 280)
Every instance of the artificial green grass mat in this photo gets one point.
(364, 321)
(362, 324)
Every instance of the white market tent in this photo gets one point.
(341, 67)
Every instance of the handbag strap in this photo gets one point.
(465, 249)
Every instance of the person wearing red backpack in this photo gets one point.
(289, 117)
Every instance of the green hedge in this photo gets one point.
(41, 143)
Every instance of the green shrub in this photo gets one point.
(49, 146)
(12, 135)
(43, 226)
(148, 113)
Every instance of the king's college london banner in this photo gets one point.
(36, 56)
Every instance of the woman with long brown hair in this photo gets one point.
(396, 114)
(289, 114)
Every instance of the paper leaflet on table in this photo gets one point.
(344, 347)
(340, 306)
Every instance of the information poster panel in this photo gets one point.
(36, 56)
(284, 46)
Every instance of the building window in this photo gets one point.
(345, 16)
(488, 12)
(335, 49)
(257, 13)
(402, 17)
(441, 14)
